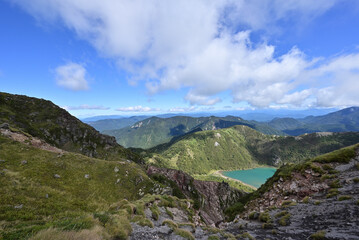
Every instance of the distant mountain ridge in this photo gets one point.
(154, 131)
(110, 124)
(345, 120)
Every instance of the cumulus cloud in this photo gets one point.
(71, 76)
(204, 46)
(137, 109)
(85, 107)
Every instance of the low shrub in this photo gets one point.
(264, 217)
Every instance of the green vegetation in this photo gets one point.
(253, 215)
(335, 184)
(345, 120)
(340, 156)
(264, 217)
(306, 199)
(184, 233)
(58, 128)
(318, 235)
(51, 190)
(217, 178)
(232, 211)
(154, 131)
(155, 212)
(316, 202)
(245, 235)
(284, 220)
(170, 224)
(332, 192)
(344, 197)
(356, 180)
(288, 203)
(213, 237)
(284, 217)
(240, 147)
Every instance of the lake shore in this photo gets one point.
(219, 173)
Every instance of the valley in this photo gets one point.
(179, 120)
(62, 179)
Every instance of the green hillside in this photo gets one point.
(40, 189)
(241, 147)
(43, 119)
(154, 131)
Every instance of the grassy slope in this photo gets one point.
(242, 147)
(69, 196)
(154, 131)
(197, 154)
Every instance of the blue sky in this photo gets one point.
(146, 56)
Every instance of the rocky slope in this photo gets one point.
(318, 199)
(211, 198)
(44, 120)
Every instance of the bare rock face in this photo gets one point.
(212, 197)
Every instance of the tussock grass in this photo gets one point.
(318, 235)
(56, 234)
(332, 192)
(184, 233)
(344, 197)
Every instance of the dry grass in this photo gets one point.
(55, 234)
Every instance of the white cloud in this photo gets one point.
(264, 14)
(201, 100)
(85, 107)
(138, 109)
(71, 76)
(183, 109)
(196, 44)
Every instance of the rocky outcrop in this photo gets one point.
(212, 197)
(299, 186)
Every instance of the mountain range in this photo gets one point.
(62, 179)
(152, 131)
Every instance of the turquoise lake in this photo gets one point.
(254, 177)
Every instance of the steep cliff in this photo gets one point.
(211, 198)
